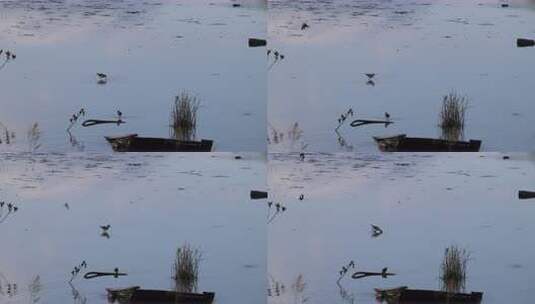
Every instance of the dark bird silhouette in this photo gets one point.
(304, 26)
(1, 51)
(384, 272)
(84, 264)
(370, 75)
(350, 112)
(119, 114)
(387, 115)
(351, 264)
(283, 208)
(276, 53)
(282, 57)
(2, 204)
(15, 209)
(9, 207)
(268, 52)
(105, 228)
(66, 206)
(270, 204)
(301, 197)
(376, 230)
(102, 75)
(13, 56)
(302, 156)
(8, 54)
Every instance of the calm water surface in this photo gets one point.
(419, 51)
(151, 51)
(154, 204)
(423, 202)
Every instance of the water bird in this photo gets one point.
(8, 54)
(66, 206)
(276, 53)
(1, 51)
(2, 204)
(15, 208)
(102, 75)
(377, 230)
(105, 228)
(13, 56)
(351, 264)
(302, 156)
(304, 26)
(119, 114)
(387, 116)
(283, 208)
(370, 75)
(384, 272)
(84, 264)
(268, 52)
(350, 112)
(270, 204)
(301, 197)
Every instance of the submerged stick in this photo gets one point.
(361, 122)
(93, 122)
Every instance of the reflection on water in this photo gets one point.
(421, 204)
(400, 58)
(149, 205)
(132, 57)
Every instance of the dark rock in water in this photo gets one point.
(258, 194)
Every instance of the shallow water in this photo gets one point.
(423, 202)
(154, 204)
(419, 50)
(151, 51)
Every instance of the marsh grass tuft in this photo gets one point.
(453, 269)
(34, 135)
(183, 121)
(452, 116)
(186, 268)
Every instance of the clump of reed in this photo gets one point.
(453, 269)
(452, 116)
(186, 268)
(183, 120)
(34, 135)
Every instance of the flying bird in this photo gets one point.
(105, 228)
(370, 75)
(304, 26)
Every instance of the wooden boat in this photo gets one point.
(403, 294)
(522, 194)
(135, 294)
(254, 42)
(402, 143)
(521, 42)
(134, 143)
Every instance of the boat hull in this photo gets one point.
(405, 295)
(402, 143)
(134, 143)
(135, 295)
